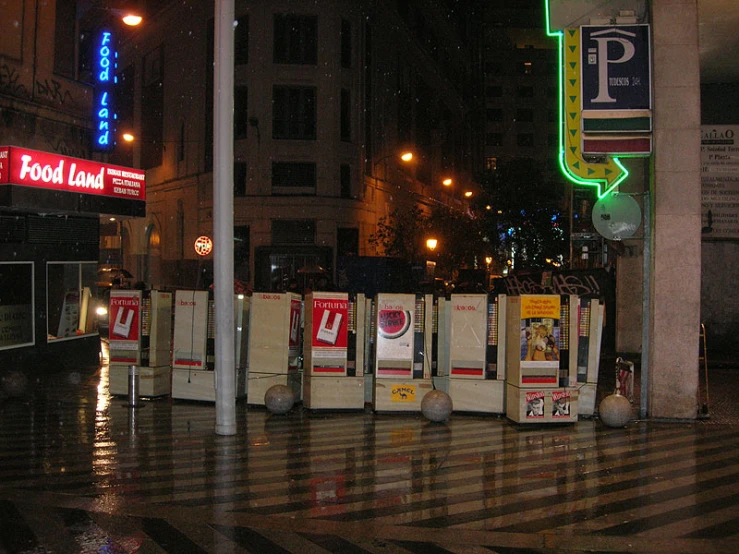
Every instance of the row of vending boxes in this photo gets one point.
(490, 353)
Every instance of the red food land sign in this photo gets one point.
(31, 168)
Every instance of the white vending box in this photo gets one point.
(590, 336)
(541, 357)
(193, 366)
(329, 380)
(140, 334)
(476, 364)
(403, 351)
(275, 336)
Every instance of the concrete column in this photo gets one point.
(675, 280)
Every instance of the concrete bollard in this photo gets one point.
(133, 386)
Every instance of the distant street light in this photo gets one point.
(447, 182)
(431, 244)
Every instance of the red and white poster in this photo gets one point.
(124, 313)
(330, 323)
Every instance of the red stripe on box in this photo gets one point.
(538, 379)
(466, 371)
(393, 371)
(133, 360)
(193, 363)
(323, 369)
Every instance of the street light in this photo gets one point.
(405, 156)
(447, 182)
(431, 244)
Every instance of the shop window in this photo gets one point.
(294, 113)
(17, 307)
(70, 299)
(295, 39)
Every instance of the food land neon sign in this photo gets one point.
(30, 168)
(104, 115)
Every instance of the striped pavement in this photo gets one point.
(80, 472)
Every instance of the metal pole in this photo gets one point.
(133, 386)
(646, 309)
(223, 285)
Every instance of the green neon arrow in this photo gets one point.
(606, 175)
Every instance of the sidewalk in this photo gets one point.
(82, 472)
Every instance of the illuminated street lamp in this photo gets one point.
(431, 244)
(468, 194)
(128, 137)
(447, 182)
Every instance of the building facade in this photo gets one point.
(326, 97)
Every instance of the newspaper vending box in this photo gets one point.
(193, 362)
(541, 355)
(477, 353)
(139, 334)
(403, 351)
(275, 334)
(332, 376)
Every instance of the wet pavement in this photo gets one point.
(81, 472)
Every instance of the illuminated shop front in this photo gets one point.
(49, 244)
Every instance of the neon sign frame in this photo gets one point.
(103, 109)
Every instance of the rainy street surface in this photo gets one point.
(81, 472)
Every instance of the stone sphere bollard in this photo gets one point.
(14, 383)
(615, 410)
(279, 399)
(436, 406)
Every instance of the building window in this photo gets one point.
(493, 68)
(494, 114)
(293, 178)
(295, 39)
(495, 91)
(525, 68)
(17, 304)
(239, 178)
(242, 253)
(241, 112)
(293, 231)
(346, 120)
(346, 43)
(347, 241)
(346, 181)
(524, 115)
(152, 109)
(524, 92)
(525, 139)
(294, 113)
(241, 40)
(494, 139)
(491, 164)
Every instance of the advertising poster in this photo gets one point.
(560, 404)
(190, 329)
(720, 182)
(330, 327)
(540, 331)
(535, 405)
(70, 316)
(125, 317)
(395, 328)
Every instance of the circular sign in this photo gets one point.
(203, 245)
(392, 324)
(616, 216)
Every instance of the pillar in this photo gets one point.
(675, 271)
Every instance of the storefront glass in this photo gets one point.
(16, 305)
(70, 304)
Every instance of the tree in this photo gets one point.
(404, 232)
(526, 222)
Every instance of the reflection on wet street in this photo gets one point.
(83, 472)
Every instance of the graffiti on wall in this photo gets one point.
(10, 81)
(593, 283)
